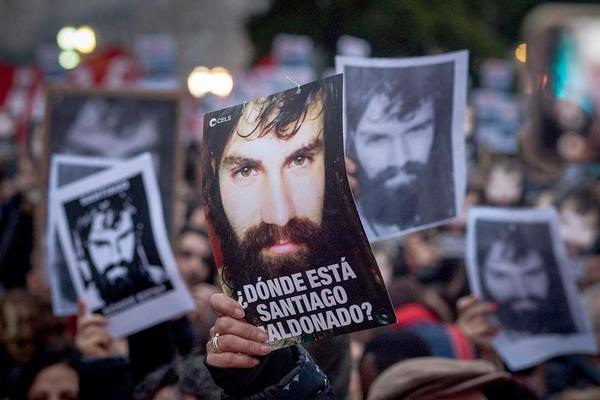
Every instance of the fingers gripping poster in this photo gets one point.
(287, 237)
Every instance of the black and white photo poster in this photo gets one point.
(404, 132)
(65, 169)
(516, 259)
(288, 242)
(113, 235)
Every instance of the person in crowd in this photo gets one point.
(504, 183)
(51, 375)
(194, 257)
(27, 327)
(186, 379)
(579, 221)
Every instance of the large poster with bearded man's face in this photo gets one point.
(287, 238)
(404, 134)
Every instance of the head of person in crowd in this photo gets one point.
(519, 272)
(387, 255)
(580, 220)
(443, 379)
(398, 133)
(109, 244)
(267, 166)
(18, 312)
(196, 215)
(50, 375)
(386, 349)
(194, 256)
(187, 379)
(27, 324)
(504, 183)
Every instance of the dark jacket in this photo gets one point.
(288, 373)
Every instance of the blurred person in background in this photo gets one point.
(18, 194)
(504, 183)
(53, 374)
(194, 257)
(27, 326)
(579, 220)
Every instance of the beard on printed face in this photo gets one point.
(270, 251)
(387, 203)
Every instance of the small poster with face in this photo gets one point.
(286, 235)
(404, 132)
(113, 236)
(517, 260)
(65, 169)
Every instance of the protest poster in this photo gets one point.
(516, 259)
(404, 131)
(287, 239)
(498, 118)
(117, 124)
(114, 239)
(64, 169)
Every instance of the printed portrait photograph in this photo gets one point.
(519, 272)
(400, 136)
(116, 125)
(65, 170)
(279, 203)
(118, 260)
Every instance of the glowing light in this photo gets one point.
(222, 81)
(66, 38)
(521, 52)
(85, 39)
(216, 80)
(199, 81)
(68, 59)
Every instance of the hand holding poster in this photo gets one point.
(288, 243)
(113, 236)
(404, 130)
(517, 260)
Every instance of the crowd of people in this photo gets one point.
(440, 346)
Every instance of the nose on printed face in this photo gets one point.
(277, 205)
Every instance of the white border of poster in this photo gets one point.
(461, 68)
(144, 313)
(528, 351)
(60, 306)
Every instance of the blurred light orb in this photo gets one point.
(199, 81)
(66, 38)
(69, 59)
(521, 52)
(222, 81)
(85, 39)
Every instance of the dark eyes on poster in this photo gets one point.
(288, 242)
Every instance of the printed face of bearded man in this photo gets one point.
(272, 188)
